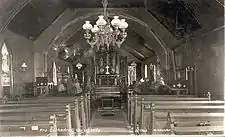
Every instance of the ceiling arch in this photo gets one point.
(138, 25)
(155, 35)
(9, 9)
(203, 10)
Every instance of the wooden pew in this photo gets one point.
(3, 100)
(30, 112)
(56, 129)
(78, 118)
(19, 119)
(53, 129)
(83, 115)
(135, 99)
(162, 117)
(51, 100)
(131, 97)
(29, 124)
(73, 121)
(84, 112)
(200, 123)
(80, 115)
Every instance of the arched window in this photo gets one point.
(5, 66)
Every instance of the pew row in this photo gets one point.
(33, 118)
(132, 100)
(45, 100)
(77, 118)
(207, 123)
(180, 118)
(29, 124)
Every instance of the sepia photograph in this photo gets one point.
(71, 68)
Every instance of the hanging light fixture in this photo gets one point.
(24, 66)
(104, 33)
(133, 64)
(79, 65)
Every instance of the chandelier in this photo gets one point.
(104, 33)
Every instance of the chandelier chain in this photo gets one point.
(105, 4)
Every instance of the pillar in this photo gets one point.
(1, 86)
(142, 70)
(125, 71)
(118, 64)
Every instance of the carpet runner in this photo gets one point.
(108, 125)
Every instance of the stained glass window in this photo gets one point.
(5, 59)
(5, 66)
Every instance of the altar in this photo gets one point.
(107, 69)
(107, 80)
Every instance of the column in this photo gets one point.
(142, 70)
(100, 82)
(95, 69)
(83, 76)
(1, 86)
(118, 64)
(125, 71)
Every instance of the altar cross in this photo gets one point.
(107, 69)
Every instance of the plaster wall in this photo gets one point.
(207, 54)
(22, 51)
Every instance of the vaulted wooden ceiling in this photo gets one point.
(179, 17)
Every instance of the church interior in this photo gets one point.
(111, 67)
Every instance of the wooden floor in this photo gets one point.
(109, 125)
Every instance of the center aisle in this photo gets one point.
(108, 125)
